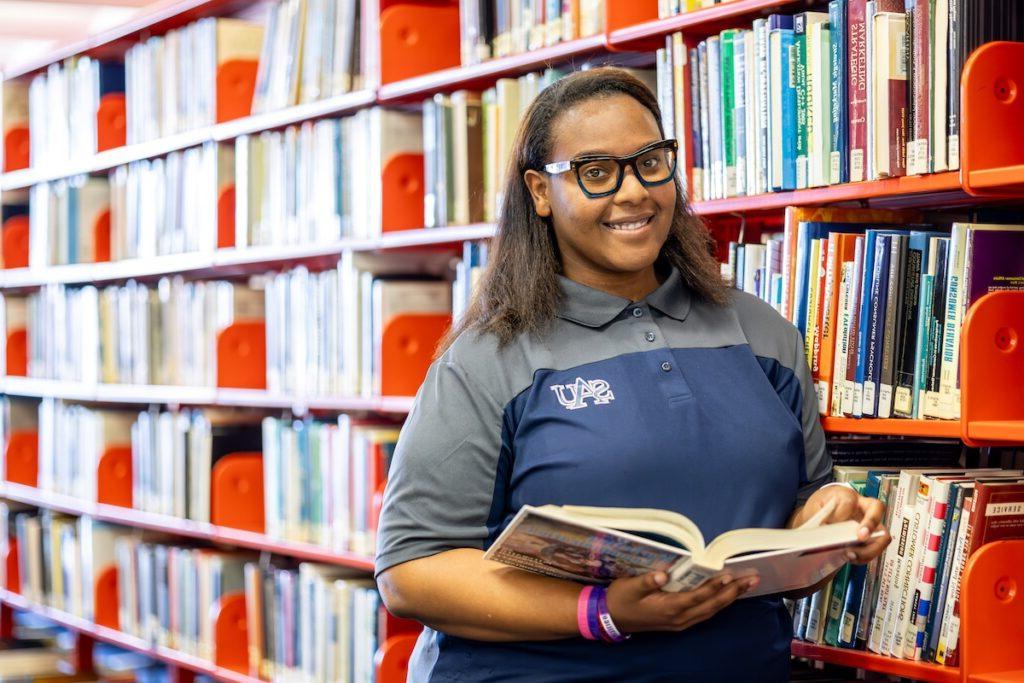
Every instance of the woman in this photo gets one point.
(602, 363)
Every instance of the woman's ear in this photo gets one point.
(539, 188)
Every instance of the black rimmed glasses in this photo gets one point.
(600, 175)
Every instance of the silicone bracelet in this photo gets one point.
(593, 617)
(582, 614)
(608, 628)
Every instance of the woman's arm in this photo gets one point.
(462, 594)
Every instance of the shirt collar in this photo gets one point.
(594, 308)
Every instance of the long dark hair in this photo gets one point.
(519, 292)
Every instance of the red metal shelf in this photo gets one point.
(182, 527)
(699, 23)
(125, 640)
(941, 429)
(481, 76)
(918, 671)
(932, 190)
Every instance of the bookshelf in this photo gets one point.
(991, 170)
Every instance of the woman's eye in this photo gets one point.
(652, 162)
(594, 173)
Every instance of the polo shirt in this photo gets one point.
(669, 403)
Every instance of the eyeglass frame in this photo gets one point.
(559, 167)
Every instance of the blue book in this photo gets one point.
(879, 298)
(806, 233)
(839, 161)
(110, 77)
(782, 108)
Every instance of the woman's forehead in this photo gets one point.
(616, 124)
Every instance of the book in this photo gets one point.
(564, 542)
(889, 97)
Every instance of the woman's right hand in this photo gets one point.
(638, 604)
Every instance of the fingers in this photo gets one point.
(872, 511)
(870, 550)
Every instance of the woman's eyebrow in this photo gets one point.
(606, 153)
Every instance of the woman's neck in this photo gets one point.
(632, 286)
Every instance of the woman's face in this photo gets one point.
(612, 238)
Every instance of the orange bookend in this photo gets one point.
(992, 99)
(16, 149)
(236, 492)
(992, 371)
(242, 356)
(230, 636)
(992, 614)
(114, 477)
(17, 353)
(105, 598)
(402, 193)
(625, 13)
(226, 217)
(407, 349)
(392, 658)
(15, 242)
(13, 573)
(111, 122)
(236, 83)
(22, 458)
(101, 236)
(418, 39)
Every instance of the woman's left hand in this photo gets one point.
(847, 504)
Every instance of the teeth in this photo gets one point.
(634, 225)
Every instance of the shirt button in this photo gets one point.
(638, 312)
(649, 336)
(666, 366)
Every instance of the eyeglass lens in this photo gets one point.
(604, 175)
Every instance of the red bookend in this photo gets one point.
(407, 349)
(242, 356)
(15, 242)
(16, 149)
(17, 353)
(13, 573)
(236, 83)
(230, 637)
(992, 614)
(226, 217)
(101, 236)
(402, 193)
(111, 122)
(22, 458)
(236, 492)
(418, 39)
(105, 599)
(114, 477)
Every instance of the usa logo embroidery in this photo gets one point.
(574, 396)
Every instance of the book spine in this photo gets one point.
(864, 320)
(893, 325)
(836, 600)
(829, 318)
(949, 404)
(935, 521)
(800, 68)
(739, 109)
(939, 70)
(876, 325)
(789, 112)
(728, 111)
(949, 637)
(839, 168)
(909, 595)
(919, 116)
(715, 117)
(842, 341)
(933, 628)
(858, 88)
(897, 87)
(706, 132)
(697, 132)
(921, 355)
(955, 66)
(851, 403)
(906, 356)
(886, 577)
(932, 400)
(761, 183)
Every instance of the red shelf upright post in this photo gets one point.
(992, 370)
(236, 84)
(407, 349)
(21, 460)
(15, 242)
(417, 39)
(105, 599)
(992, 614)
(992, 99)
(242, 355)
(236, 492)
(111, 122)
(231, 641)
(114, 477)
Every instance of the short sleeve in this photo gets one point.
(817, 461)
(441, 486)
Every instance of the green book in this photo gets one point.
(729, 108)
(800, 62)
(835, 605)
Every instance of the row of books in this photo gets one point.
(310, 52)
(906, 604)
(864, 91)
(498, 28)
(312, 623)
(321, 479)
(132, 334)
(62, 106)
(155, 207)
(880, 305)
(671, 8)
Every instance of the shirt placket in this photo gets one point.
(662, 365)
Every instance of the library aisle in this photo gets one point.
(234, 235)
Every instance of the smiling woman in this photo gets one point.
(603, 362)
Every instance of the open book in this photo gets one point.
(595, 544)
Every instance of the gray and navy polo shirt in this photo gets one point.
(664, 403)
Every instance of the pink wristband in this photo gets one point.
(582, 614)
